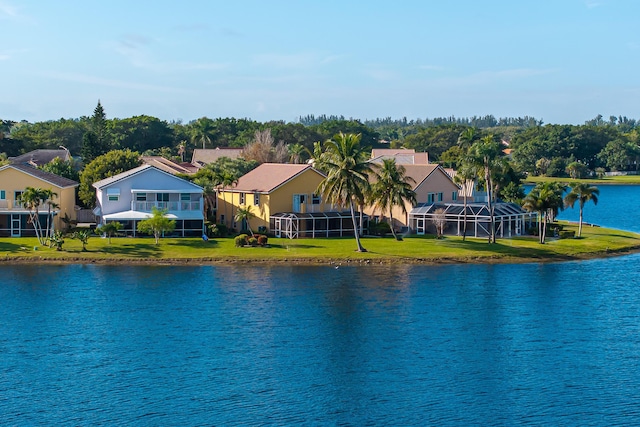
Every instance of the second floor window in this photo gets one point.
(430, 197)
(256, 199)
(315, 199)
(141, 197)
(242, 198)
(113, 194)
(3, 195)
(162, 197)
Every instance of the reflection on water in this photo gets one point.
(384, 345)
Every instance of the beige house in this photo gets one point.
(402, 156)
(204, 156)
(432, 185)
(14, 179)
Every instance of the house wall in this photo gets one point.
(149, 179)
(280, 200)
(437, 182)
(12, 180)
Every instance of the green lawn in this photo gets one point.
(619, 180)
(595, 242)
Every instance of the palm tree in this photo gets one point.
(31, 199)
(467, 137)
(347, 180)
(392, 188)
(485, 154)
(545, 199)
(203, 129)
(227, 178)
(582, 193)
(243, 215)
(295, 152)
(465, 174)
(209, 196)
(182, 149)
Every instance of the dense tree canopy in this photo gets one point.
(104, 166)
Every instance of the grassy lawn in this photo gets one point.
(595, 242)
(618, 180)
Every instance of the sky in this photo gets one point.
(560, 61)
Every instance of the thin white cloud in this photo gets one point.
(99, 81)
(4, 57)
(381, 74)
(593, 3)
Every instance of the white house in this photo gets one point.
(130, 196)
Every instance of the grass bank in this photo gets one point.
(609, 180)
(596, 242)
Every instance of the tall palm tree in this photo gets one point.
(347, 180)
(465, 174)
(295, 152)
(582, 193)
(486, 155)
(31, 199)
(244, 215)
(392, 188)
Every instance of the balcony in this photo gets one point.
(169, 206)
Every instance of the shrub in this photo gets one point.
(252, 241)
(218, 230)
(568, 234)
(262, 240)
(380, 228)
(241, 240)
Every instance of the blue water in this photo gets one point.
(534, 344)
(618, 207)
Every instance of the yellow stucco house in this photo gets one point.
(283, 201)
(14, 179)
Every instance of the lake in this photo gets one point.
(536, 344)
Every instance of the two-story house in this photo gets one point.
(130, 196)
(14, 218)
(283, 199)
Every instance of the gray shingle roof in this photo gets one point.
(51, 178)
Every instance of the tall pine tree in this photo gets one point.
(97, 140)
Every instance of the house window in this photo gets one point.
(185, 197)
(242, 198)
(439, 197)
(3, 195)
(113, 194)
(162, 197)
(141, 197)
(454, 196)
(256, 199)
(315, 199)
(430, 197)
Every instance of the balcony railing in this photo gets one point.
(170, 206)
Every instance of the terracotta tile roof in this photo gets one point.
(40, 157)
(377, 152)
(51, 178)
(209, 155)
(269, 176)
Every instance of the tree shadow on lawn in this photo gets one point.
(504, 247)
(134, 250)
(293, 246)
(197, 244)
(14, 247)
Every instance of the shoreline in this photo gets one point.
(24, 260)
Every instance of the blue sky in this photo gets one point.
(562, 61)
